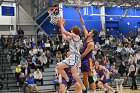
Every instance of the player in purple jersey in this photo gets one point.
(103, 74)
(87, 61)
(64, 85)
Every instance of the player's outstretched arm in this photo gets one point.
(105, 69)
(89, 48)
(82, 23)
(67, 35)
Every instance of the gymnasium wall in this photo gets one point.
(124, 25)
(72, 18)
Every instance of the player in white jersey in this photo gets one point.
(74, 55)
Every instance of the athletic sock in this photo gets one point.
(67, 80)
(94, 91)
(105, 90)
(84, 88)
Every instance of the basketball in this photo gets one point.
(63, 20)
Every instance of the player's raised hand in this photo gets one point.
(78, 10)
(61, 22)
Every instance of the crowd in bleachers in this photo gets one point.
(38, 52)
(30, 54)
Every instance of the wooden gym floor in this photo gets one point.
(124, 91)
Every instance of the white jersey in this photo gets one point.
(74, 46)
(74, 53)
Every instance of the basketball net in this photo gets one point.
(54, 17)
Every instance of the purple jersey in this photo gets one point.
(89, 55)
(68, 72)
(101, 75)
(87, 62)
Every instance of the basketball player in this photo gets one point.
(87, 61)
(74, 56)
(103, 82)
(64, 86)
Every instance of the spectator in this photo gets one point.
(107, 43)
(20, 32)
(48, 54)
(133, 69)
(39, 64)
(31, 84)
(29, 60)
(135, 47)
(113, 73)
(137, 58)
(99, 55)
(53, 51)
(122, 69)
(131, 33)
(119, 49)
(35, 50)
(43, 59)
(125, 51)
(27, 45)
(105, 59)
(18, 72)
(22, 82)
(34, 61)
(38, 76)
(33, 44)
(56, 79)
(23, 61)
(15, 59)
(47, 45)
(26, 70)
(41, 35)
(112, 60)
(18, 52)
(31, 52)
(130, 50)
(61, 48)
(42, 44)
(119, 42)
(137, 40)
(132, 56)
(102, 37)
(9, 57)
(97, 47)
(40, 50)
(111, 38)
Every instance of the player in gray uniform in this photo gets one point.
(74, 55)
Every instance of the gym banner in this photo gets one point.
(7, 11)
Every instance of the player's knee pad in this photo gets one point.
(90, 80)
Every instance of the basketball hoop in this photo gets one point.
(54, 17)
